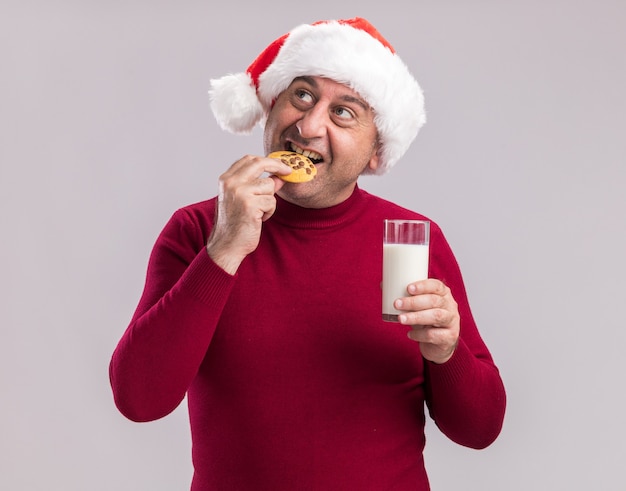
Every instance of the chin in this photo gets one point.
(301, 194)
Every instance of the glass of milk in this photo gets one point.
(405, 260)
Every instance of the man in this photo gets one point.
(263, 304)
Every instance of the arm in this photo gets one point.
(466, 398)
(171, 329)
(190, 274)
(465, 393)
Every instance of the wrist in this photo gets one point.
(224, 258)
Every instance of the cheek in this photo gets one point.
(270, 134)
(278, 121)
(353, 155)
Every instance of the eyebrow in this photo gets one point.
(346, 98)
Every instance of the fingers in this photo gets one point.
(433, 315)
(430, 304)
(252, 167)
(245, 185)
(429, 285)
(267, 206)
(246, 199)
(429, 335)
(436, 344)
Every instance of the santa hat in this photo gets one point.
(351, 52)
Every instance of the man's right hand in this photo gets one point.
(246, 199)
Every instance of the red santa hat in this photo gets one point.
(349, 51)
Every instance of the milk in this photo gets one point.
(402, 264)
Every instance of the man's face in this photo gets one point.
(336, 125)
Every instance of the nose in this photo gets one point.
(313, 123)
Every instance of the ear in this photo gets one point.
(374, 160)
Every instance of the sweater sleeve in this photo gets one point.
(161, 350)
(465, 396)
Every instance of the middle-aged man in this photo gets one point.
(263, 304)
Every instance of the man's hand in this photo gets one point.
(245, 200)
(433, 315)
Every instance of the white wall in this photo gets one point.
(105, 131)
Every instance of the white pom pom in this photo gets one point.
(235, 104)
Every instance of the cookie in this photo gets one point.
(303, 168)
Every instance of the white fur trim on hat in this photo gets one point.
(235, 104)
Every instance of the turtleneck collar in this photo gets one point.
(295, 216)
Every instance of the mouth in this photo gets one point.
(315, 157)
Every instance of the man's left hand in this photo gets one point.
(433, 315)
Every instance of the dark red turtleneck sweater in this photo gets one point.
(293, 379)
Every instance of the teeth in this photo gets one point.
(306, 153)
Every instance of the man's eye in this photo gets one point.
(343, 113)
(303, 95)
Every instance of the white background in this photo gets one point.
(105, 130)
